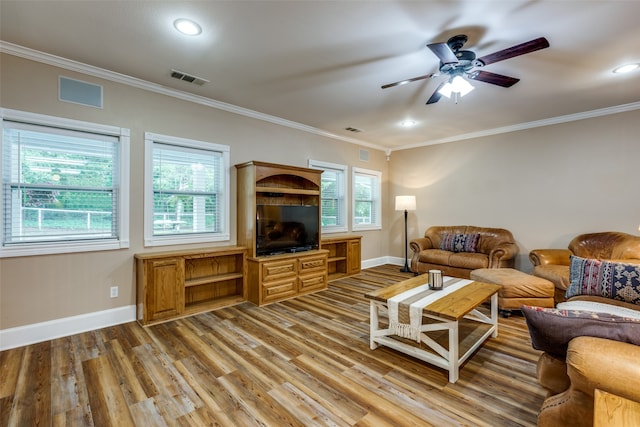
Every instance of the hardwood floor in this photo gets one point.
(302, 362)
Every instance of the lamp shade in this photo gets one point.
(405, 203)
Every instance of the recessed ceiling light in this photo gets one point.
(187, 27)
(626, 68)
(407, 123)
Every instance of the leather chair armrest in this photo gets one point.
(609, 365)
(501, 253)
(550, 256)
(420, 244)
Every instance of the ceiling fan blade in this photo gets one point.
(443, 52)
(493, 78)
(402, 82)
(435, 97)
(521, 49)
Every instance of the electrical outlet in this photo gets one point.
(114, 292)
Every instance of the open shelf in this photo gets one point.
(211, 279)
(174, 284)
(260, 189)
(344, 255)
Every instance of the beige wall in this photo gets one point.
(40, 288)
(546, 184)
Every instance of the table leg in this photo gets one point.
(494, 314)
(373, 324)
(454, 349)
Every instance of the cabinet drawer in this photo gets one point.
(310, 264)
(279, 290)
(312, 283)
(278, 269)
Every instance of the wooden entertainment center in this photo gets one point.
(181, 283)
(277, 277)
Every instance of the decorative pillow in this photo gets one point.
(460, 242)
(609, 279)
(551, 329)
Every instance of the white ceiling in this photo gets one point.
(321, 63)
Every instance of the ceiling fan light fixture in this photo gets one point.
(446, 90)
(461, 86)
(457, 85)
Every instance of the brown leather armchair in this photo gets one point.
(553, 264)
(591, 363)
(496, 248)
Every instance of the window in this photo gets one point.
(333, 212)
(65, 185)
(366, 199)
(186, 191)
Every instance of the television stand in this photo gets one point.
(304, 269)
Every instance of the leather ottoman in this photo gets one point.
(518, 288)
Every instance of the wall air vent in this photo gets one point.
(354, 130)
(188, 78)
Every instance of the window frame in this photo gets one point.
(343, 223)
(376, 199)
(150, 239)
(71, 246)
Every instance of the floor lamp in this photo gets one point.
(406, 204)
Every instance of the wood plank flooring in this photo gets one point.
(302, 362)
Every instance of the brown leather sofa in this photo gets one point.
(591, 363)
(496, 248)
(553, 264)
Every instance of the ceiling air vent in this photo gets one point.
(188, 78)
(354, 130)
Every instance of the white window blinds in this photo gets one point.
(186, 190)
(366, 199)
(333, 196)
(58, 184)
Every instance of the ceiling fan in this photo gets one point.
(458, 63)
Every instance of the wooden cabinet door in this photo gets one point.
(353, 257)
(165, 284)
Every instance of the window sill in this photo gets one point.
(51, 248)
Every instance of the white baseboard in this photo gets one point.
(44, 331)
(374, 262)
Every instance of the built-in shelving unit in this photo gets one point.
(344, 255)
(277, 277)
(181, 283)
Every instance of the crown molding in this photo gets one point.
(71, 65)
(529, 125)
(68, 64)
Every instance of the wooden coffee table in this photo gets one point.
(443, 314)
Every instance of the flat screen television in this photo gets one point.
(286, 229)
